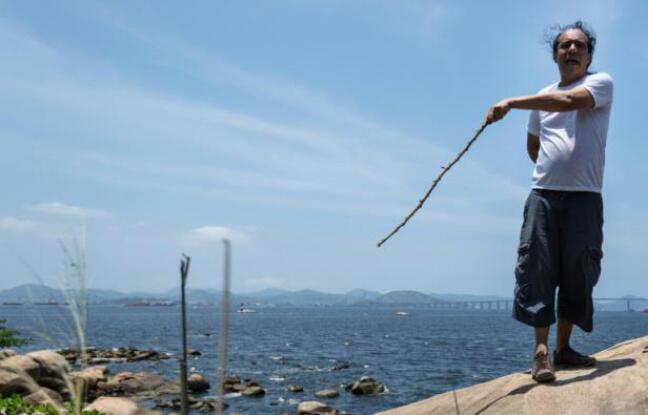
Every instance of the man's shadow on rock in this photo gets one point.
(602, 368)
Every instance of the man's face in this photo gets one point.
(572, 54)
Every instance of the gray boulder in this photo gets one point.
(60, 385)
(52, 363)
(201, 405)
(233, 384)
(129, 383)
(26, 364)
(45, 396)
(197, 383)
(14, 380)
(92, 376)
(53, 371)
(113, 406)
(294, 388)
(117, 355)
(253, 391)
(327, 393)
(315, 408)
(366, 386)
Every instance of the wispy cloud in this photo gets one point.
(340, 155)
(48, 231)
(11, 224)
(58, 208)
(211, 233)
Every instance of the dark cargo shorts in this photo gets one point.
(560, 247)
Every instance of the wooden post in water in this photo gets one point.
(184, 273)
(222, 355)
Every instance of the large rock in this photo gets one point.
(5, 353)
(618, 384)
(45, 396)
(294, 388)
(53, 371)
(233, 384)
(60, 385)
(113, 406)
(52, 364)
(366, 386)
(315, 408)
(197, 383)
(117, 355)
(92, 376)
(253, 391)
(128, 383)
(201, 405)
(24, 364)
(13, 380)
(327, 393)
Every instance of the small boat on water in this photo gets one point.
(147, 303)
(402, 313)
(51, 302)
(243, 309)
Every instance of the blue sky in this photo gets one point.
(303, 131)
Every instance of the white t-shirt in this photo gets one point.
(572, 143)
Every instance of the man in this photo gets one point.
(561, 238)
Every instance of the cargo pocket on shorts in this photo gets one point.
(521, 270)
(592, 266)
(523, 259)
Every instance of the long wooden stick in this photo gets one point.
(184, 273)
(222, 341)
(434, 183)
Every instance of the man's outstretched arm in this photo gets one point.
(558, 101)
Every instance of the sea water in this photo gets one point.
(416, 355)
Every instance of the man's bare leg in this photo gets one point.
(563, 333)
(541, 337)
(565, 355)
(542, 370)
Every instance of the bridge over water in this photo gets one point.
(508, 304)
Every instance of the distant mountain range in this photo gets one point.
(38, 293)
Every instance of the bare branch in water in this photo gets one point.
(434, 184)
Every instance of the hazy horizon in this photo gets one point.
(189, 288)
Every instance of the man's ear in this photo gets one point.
(554, 57)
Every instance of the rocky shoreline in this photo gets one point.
(94, 356)
(617, 384)
(49, 377)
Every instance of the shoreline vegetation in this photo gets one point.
(16, 405)
(10, 337)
